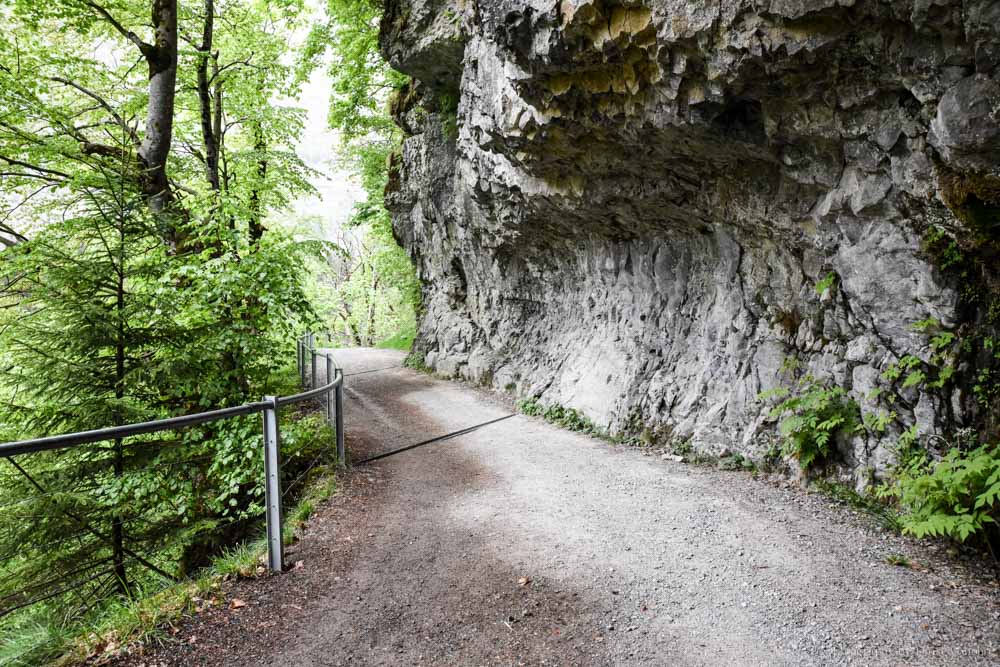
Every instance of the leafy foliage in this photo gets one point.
(828, 282)
(969, 263)
(956, 497)
(376, 292)
(119, 306)
(811, 419)
(563, 417)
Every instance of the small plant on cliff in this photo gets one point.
(417, 362)
(734, 461)
(827, 283)
(530, 407)
(811, 418)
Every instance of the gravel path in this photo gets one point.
(524, 544)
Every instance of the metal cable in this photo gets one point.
(440, 438)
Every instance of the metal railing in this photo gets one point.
(268, 407)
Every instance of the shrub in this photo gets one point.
(957, 497)
(811, 418)
(416, 361)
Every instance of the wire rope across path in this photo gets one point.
(440, 438)
(376, 370)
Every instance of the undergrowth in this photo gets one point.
(956, 497)
(416, 361)
(573, 420)
(48, 638)
(567, 418)
(812, 416)
(145, 619)
(883, 514)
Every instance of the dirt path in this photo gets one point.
(524, 544)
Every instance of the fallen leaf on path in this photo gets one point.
(523, 581)
(237, 604)
(299, 564)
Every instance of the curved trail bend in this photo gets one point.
(520, 543)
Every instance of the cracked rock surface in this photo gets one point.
(625, 207)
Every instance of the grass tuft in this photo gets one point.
(898, 559)
(884, 515)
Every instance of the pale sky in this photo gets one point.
(337, 191)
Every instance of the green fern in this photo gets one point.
(957, 497)
(811, 419)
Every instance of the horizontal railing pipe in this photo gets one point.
(86, 437)
(333, 389)
(54, 442)
(312, 393)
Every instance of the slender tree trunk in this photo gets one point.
(210, 121)
(352, 331)
(256, 197)
(161, 58)
(117, 525)
(373, 295)
(220, 138)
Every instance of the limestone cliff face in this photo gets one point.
(625, 206)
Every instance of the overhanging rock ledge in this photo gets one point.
(625, 207)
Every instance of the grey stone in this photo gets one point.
(640, 197)
(966, 129)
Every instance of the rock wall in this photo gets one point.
(625, 206)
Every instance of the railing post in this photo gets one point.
(272, 486)
(298, 357)
(312, 379)
(339, 395)
(302, 364)
(330, 377)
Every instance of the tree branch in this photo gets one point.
(90, 148)
(235, 63)
(128, 34)
(104, 104)
(41, 170)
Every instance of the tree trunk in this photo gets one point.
(162, 60)
(209, 119)
(217, 118)
(352, 332)
(371, 307)
(256, 196)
